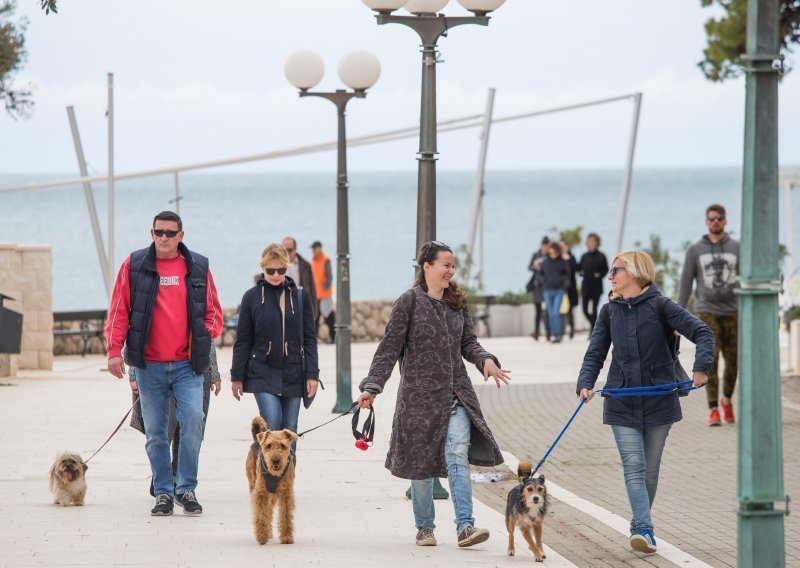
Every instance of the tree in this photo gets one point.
(18, 100)
(727, 37)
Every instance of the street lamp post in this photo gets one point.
(359, 70)
(430, 26)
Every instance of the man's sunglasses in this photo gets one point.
(713, 218)
(615, 269)
(161, 232)
(272, 271)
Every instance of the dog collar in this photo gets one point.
(272, 481)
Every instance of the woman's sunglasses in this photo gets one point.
(433, 247)
(272, 271)
(615, 269)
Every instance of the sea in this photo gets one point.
(231, 217)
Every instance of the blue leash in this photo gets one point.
(656, 390)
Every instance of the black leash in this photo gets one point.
(121, 422)
(364, 438)
(345, 413)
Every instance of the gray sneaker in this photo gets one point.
(471, 536)
(163, 506)
(425, 537)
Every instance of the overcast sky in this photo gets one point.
(201, 80)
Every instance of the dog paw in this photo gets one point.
(287, 540)
(539, 558)
(511, 552)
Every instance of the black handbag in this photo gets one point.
(307, 400)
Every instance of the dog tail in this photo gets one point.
(257, 426)
(524, 470)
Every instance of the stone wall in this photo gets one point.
(26, 275)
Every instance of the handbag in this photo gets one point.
(564, 308)
(307, 400)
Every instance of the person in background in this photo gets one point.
(271, 358)
(299, 270)
(572, 291)
(165, 312)
(556, 276)
(594, 267)
(438, 428)
(536, 288)
(641, 357)
(323, 283)
(713, 263)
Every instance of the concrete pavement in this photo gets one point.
(349, 509)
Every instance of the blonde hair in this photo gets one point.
(275, 251)
(639, 265)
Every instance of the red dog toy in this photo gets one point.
(364, 439)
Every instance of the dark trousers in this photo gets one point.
(591, 300)
(330, 321)
(539, 316)
(726, 340)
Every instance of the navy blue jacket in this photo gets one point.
(641, 357)
(263, 359)
(144, 287)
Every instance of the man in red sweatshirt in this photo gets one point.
(165, 312)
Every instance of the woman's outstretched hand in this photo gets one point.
(586, 395)
(365, 399)
(490, 370)
(699, 379)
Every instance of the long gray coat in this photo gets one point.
(433, 372)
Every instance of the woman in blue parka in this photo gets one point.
(275, 354)
(641, 357)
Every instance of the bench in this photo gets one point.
(229, 326)
(479, 307)
(91, 323)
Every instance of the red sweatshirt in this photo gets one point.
(169, 330)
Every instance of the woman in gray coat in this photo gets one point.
(640, 324)
(438, 428)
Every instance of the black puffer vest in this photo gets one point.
(144, 287)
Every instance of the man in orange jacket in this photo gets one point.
(323, 282)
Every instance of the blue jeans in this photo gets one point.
(456, 448)
(552, 298)
(640, 452)
(156, 383)
(279, 412)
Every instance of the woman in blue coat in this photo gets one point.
(272, 358)
(641, 357)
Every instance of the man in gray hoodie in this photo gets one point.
(713, 262)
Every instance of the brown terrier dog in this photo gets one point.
(270, 474)
(526, 508)
(68, 479)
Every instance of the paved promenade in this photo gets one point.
(349, 509)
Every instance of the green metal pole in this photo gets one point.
(760, 471)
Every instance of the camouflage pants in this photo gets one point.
(726, 339)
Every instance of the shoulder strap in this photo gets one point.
(408, 327)
(302, 319)
(673, 341)
(411, 313)
(302, 330)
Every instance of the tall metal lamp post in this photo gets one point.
(430, 26)
(359, 70)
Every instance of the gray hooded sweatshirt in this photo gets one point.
(714, 266)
